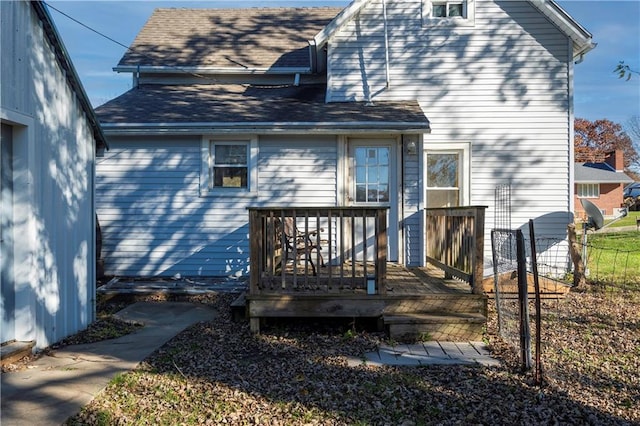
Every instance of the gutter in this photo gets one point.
(152, 69)
(351, 127)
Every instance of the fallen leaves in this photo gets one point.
(220, 373)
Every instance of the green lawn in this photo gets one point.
(614, 258)
(630, 220)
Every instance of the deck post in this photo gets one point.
(381, 261)
(255, 249)
(478, 258)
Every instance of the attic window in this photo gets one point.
(449, 12)
(447, 9)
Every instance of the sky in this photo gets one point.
(598, 92)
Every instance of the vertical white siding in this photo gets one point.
(54, 257)
(502, 85)
(154, 221)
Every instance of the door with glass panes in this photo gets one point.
(373, 182)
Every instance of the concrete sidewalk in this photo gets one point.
(58, 385)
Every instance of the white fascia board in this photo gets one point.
(344, 16)
(581, 38)
(290, 128)
(210, 70)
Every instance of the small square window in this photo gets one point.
(449, 12)
(447, 9)
(229, 166)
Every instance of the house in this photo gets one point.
(601, 182)
(50, 135)
(400, 104)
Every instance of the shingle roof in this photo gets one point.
(598, 173)
(243, 38)
(242, 106)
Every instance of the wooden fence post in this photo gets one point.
(579, 280)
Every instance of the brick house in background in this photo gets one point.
(602, 181)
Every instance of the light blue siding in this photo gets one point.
(155, 222)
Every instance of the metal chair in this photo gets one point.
(299, 244)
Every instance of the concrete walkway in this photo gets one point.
(58, 385)
(430, 353)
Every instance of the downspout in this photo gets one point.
(386, 41)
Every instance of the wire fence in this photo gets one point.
(612, 260)
(532, 274)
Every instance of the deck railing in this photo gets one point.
(318, 249)
(455, 242)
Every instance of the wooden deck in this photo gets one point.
(288, 277)
(333, 280)
(415, 301)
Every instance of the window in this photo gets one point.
(449, 12)
(372, 174)
(447, 9)
(228, 165)
(443, 180)
(447, 174)
(588, 190)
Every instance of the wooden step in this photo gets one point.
(15, 351)
(239, 308)
(436, 326)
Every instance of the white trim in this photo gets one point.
(342, 195)
(421, 201)
(342, 18)
(252, 166)
(561, 19)
(570, 144)
(24, 148)
(417, 127)
(467, 20)
(464, 149)
(151, 131)
(16, 117)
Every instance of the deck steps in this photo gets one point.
(446, 326)
(15, 351)
(239, 308)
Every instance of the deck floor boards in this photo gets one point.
(400, 281)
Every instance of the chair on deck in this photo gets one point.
(299, 244)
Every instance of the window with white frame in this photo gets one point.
(449, 12)
(447, 174)
(228, 165)
(588, 190)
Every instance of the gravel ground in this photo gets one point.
(219, 373)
